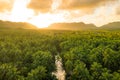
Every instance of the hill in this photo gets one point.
(72, 26)
(111, 26)
(60, 26)
(16, 25)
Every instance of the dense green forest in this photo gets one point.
(86, 55)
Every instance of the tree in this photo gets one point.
(96, 55)
(111, 59)
(100, 73)
(106, 74)
(44, 59)
(96, 70)
(38, 73)
(116, 76)
(69, 67)
(8, 72)
(80, 72)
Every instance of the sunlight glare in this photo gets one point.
(20, 12)
(44, 20)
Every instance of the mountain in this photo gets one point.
(60, 26)
(72, 26)
(111, 26)
(16, 25)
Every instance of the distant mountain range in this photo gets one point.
(111, 26)
(72, 26)
(83, 26)
(60, 26)
(16, 25)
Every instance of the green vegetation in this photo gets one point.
(86, 55)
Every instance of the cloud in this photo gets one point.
(118, 10)
(40, 5)
(6, 5)
(82, 4)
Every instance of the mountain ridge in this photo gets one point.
(111, 26)
(83, 26)
(60, 26)
(72, 26)
(16, 25)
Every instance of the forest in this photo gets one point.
(86, 55)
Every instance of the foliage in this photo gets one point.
(86, 55)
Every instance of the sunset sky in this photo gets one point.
(42, 13)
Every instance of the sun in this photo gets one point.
(46, 19)
(42, 20)
(20, 13)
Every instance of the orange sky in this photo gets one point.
(42, 13)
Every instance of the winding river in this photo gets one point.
(60, 73)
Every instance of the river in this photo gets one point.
(60, 73)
